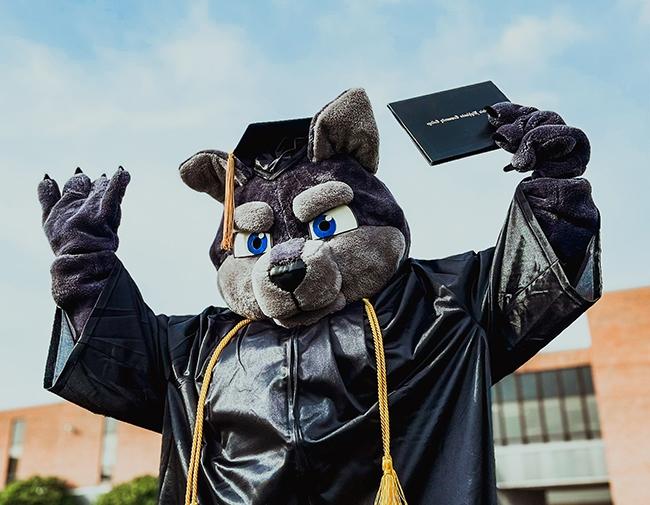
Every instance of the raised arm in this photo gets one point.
(109, 350)
(557, 155)
(545, 269)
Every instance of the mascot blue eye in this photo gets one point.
(333, 222)
(257, 243)
(323, 226)
(247, 244)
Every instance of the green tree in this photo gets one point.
(139, 491)
(37, 491)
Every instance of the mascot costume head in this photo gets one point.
(308, 227)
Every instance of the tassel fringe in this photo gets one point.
(390, 490)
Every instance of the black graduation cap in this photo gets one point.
(270, 148)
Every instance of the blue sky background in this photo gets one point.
(146, 84)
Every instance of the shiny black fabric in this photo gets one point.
(291, 415)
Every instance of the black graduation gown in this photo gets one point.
(291, 415)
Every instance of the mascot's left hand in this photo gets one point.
(539, 140)
(557, 155)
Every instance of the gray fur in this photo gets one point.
(340, 270)
(367, 258)
(321, 198)
(288, 251)
(306, 318)
(346, 125)
(323, 279)
(206, 172)
(235, 281)
(253, 216)
(274, 302)
(320, 288)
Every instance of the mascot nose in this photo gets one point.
(289, 276)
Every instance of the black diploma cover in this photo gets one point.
(451, 124)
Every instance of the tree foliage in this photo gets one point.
(37, 491)
(139, 491)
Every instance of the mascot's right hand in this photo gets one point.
(81, 225)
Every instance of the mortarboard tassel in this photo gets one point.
(229, 205)
(390, 490)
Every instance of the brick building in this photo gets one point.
(570, 427)
(91, 452)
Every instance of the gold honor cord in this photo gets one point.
(390, 490)
(191, 490)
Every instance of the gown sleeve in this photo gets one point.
(524, 296)
(120, 364)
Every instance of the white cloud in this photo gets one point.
(531, 42)
(150, 108)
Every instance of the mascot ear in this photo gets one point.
(346, 125)
(206, 172)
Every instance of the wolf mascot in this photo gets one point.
(284, 396)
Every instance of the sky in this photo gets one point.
(146, 84)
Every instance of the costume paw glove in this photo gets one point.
(540, 140)
(81, 225)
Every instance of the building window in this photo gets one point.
(15, 449)
(553, 405)
(109, 449)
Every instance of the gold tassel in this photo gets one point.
(229, 205)
(192, 487)
(390, 490)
